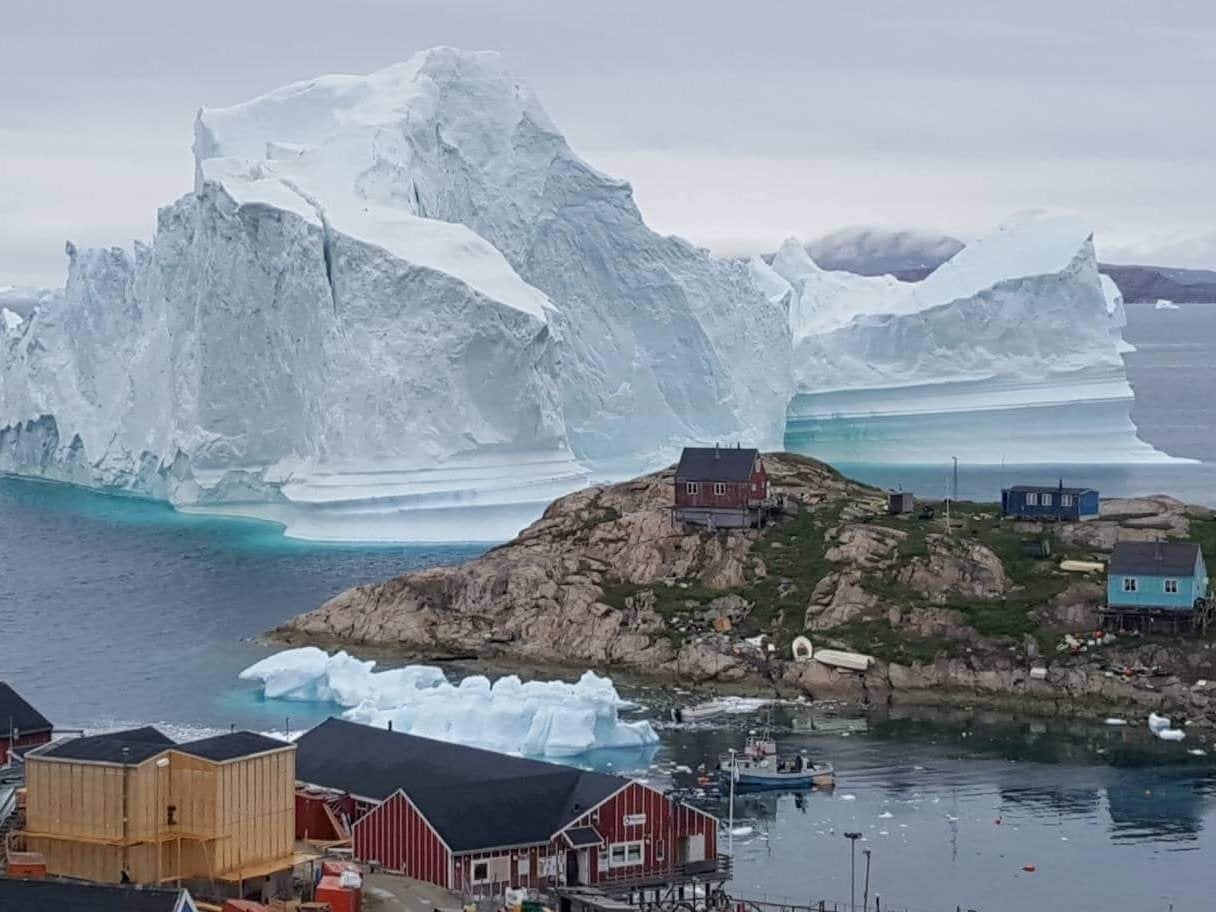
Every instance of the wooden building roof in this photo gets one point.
(1154, 558)
(716, 464)
(39, 895)
(16, 710)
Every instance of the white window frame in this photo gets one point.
(625, 850)
(1131, 584)
(1171, 587)
(1032, 499)
(1065, 500)
(473, 878)
(692, 487)
(1047, 500)
(523, 865)
(719, 488)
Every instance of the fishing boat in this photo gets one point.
(847, 661)
(759, 766)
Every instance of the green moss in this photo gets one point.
(878, 638)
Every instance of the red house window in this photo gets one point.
(691, 488)
(720, 488)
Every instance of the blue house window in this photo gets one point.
(1171, 586)
(1032, 500)
(1065, 500)
(1130, 584)
(1047, 500)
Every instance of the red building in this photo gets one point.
(477, 822)
(21, 726)
(721, 487)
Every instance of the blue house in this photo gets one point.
(1049, 502)
(1156, 577)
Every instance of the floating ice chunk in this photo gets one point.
(742, 831)
(885, 815)
(1163, 304)
(537, 718)
(1197, 752)
(1170, 734)
(1114, 721)
(848, 797)
(1157, 724)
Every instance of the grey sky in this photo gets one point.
(737, 123)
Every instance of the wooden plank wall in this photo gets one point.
(256, 810)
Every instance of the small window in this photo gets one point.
(660, 851)
(625, 854)
(634, 853)
(481, 872)
(1032, 500)
(1047, 500)
(1065, 500)
(1130, 584)
(1171, 586)
(692, 488)
(720, 488)
(525, 865)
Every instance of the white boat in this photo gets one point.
(760, 767)
(839, 658)
(701, 712)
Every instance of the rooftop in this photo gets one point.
(474, 798)
(17, 712)
(1050, 489)
(716, 464)
(136, 745)
(1154, 558)
(22, 895)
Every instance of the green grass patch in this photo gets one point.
(879, 639)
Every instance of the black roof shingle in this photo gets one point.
(131, 746)
(716, 464)
(1049, 489)
(23, 895)
(16, 711)
(1154, 558)
(475, 799)
(231, 746)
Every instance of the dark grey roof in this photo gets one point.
(21, 895)
(716, 464)
(475, 799)
(131, 746)
(16, 711)
(1049, 489)
(1154, 558)
(584, 836)
(231, 746)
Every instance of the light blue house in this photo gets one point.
(1156, 577)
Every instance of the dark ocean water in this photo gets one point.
(117, 611)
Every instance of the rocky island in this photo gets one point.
(958, 613)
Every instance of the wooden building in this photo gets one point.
(478, 822)
(22, 895)
(1049, 502)
(219, 809)
(1157, 581)
(900, 502)
(721, 487)
(21, 726)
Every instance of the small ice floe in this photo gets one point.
(1157, 723)
(952, 818)
(681, 768)
(885, 815)
(1197, 752)
(742, 831)
(883, 833)
(1171, 734)
(848, 797)
(1114, 721)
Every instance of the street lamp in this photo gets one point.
(852, 838)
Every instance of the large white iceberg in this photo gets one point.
(537, 718)
(393, 306)
(914, 372)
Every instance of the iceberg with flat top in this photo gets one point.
(1010, 349)
(536, 718)
(394, 306)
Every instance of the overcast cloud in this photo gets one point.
(738, 123)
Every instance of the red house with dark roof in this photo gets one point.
(21, 726)
(477, 822)
(721, 487)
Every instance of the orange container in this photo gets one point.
(340, 898)
(334, 867)
(243, 905)
(26, 864)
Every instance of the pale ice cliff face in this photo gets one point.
(1020, 319)
(391, 303)
(537, 718)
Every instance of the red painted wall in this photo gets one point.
(400, 839)
(738, 493)
(22, 742)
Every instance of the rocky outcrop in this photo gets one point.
(606, 578)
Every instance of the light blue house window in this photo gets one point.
(1171, 586)
(1130, 584)
(1065, 500)
(1032, 500)
(1047, 500)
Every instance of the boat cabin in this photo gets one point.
(1049, 502)
(721, 487)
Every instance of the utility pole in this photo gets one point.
(955, 458)
(865, 893)
(730, 839)
(852, 838)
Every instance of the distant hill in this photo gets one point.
(908, 254)
(1150, 283)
